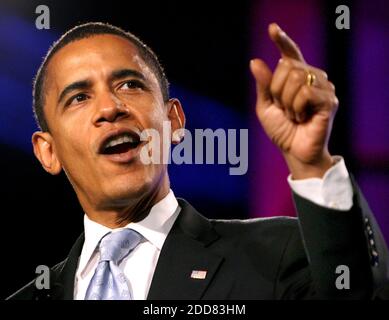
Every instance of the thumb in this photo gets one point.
(263, 77)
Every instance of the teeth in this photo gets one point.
(119, 140)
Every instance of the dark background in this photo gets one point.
(205, 47)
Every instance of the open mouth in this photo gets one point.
(120, 143)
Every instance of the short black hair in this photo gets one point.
(85, 31)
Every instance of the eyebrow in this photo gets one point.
(86, 84)
(78, 85)
(126, 73)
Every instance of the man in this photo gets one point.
(98, 89)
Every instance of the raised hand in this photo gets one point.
(296, 106)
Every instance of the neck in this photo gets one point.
(134, 209)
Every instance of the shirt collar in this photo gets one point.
(154, 228)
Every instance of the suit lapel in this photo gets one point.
(184, 251)
(63, 287)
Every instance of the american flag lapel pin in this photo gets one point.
(198, 274)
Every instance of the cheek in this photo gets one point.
(148, 110)
(76, 127)
(72, 145)
(156, 116)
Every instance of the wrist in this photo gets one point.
(313, 169)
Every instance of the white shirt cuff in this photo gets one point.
(333, 191)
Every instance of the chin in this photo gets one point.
(128, 187)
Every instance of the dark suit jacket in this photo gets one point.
(274, 258)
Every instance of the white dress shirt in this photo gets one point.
(140, 264)
(333, 191)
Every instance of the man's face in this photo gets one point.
(100, 92)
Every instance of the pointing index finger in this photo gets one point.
(286, 45)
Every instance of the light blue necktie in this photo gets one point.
(109, 282)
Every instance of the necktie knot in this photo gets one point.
(115, 246)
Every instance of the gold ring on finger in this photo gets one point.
(311, 77)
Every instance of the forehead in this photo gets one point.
(94, 56)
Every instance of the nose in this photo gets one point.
(109, 109)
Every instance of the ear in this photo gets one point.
(176, 116)
(45, 153)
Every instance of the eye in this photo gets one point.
(131, 85)
(78, 98)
